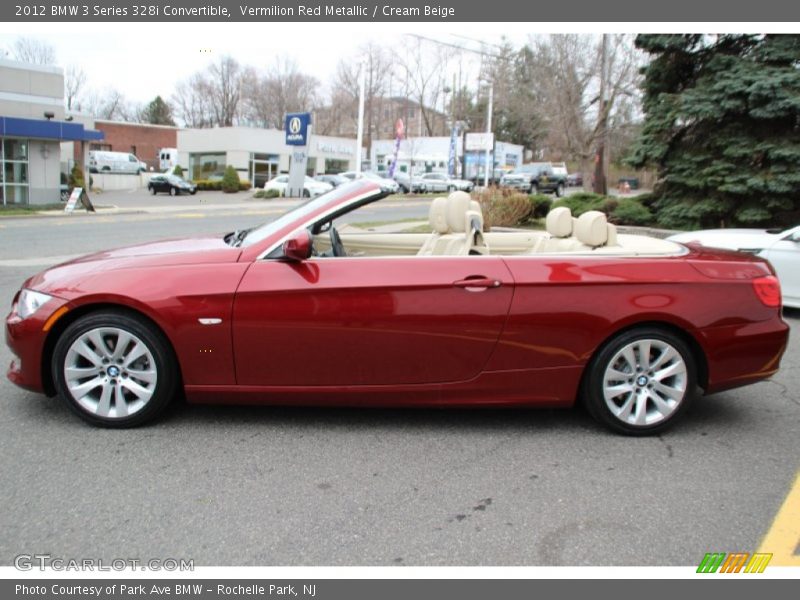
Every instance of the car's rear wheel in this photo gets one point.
(560, 190)
(534, 189)
(114, 369)
(306, 194)
(173, 191)
(153, 190)
(641, 382)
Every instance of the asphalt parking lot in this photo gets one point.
(301, 486)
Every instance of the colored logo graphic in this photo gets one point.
(735, 562)
(294, 125)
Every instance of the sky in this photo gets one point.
(143, 61)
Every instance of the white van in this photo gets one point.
(101, 161)
(167, 158)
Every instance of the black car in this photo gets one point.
(334, 180)
(171, 184)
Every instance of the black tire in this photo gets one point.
(163, 359)
(560, 190)
(534, 189)
(173, 191)
(451, 189)
(306, 193)
(641, 383)
(193, 192)
(152, 190)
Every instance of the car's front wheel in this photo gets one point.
(560, 190)
(152, 190)
(173, 191)
(114, 369)
(641, 382)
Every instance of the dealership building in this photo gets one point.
(431, 155)
(32, 127)
(258, 155)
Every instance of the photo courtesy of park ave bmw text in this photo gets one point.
(399, 299)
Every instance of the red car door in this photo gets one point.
(362, 321)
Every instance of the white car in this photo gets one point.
(441, 182)
(387, 185)
(311, 187)
(781, 248)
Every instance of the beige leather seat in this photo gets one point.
(458, 227)
(559, 224)
(437, 218)
(592, 229)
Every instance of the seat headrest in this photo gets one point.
(458, 203)
(559, 222)
(437, 216)
(591, 228)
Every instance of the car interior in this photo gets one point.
(457, 224)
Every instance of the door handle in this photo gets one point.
(478, 283)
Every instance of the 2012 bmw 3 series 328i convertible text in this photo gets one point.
(304, 310)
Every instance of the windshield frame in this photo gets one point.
(341, 200)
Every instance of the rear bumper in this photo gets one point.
(742, 354)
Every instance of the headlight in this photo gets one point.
(29, 302)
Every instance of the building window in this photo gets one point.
(333, 165)
(14, 172)
(207, 166)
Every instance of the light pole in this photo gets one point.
(488, 136)
(360, 136)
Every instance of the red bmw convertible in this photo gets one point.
(309, 310)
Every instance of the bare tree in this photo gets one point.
(425, 72)
(34, 51)
(283, 88)
(211, 97)
(74, 81)
(376, 64)
(192, 103)
(111, 105)
(566, 69)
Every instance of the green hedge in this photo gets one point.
(216, 185)
(272, 193)
(620, 211)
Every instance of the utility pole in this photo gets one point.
(600, 184)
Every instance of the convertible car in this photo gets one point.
(306, 309)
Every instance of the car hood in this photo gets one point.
(181, 251)
(735, 239)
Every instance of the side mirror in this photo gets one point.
(297, 247)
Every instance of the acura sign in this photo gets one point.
(297, 128)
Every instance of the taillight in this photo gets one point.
(768, 290)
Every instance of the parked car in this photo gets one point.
(780, 247)
(390, 186)
(101, 161)
(311, 187)
(441, 182)
(170, 184)
(536, 178)
(575, 179)
(410, 183)
(333, 180)
(631, 325)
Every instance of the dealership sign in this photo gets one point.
(297, 128)
(479, 141)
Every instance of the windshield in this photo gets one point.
(298, 212)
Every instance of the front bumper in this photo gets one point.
(26, 339)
